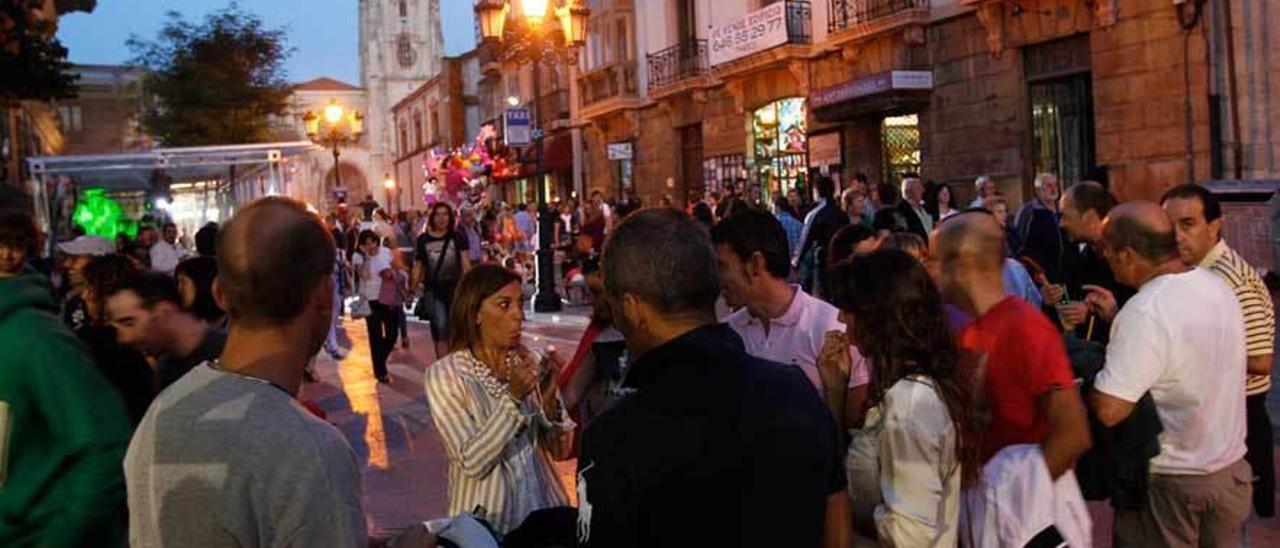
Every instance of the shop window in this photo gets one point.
(780, 147)
(719, 170)
(900, 138)
(1061, 93)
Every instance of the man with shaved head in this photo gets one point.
(226, 456)
(1026, 380)
(1181, 338)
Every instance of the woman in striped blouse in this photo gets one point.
(496, 406)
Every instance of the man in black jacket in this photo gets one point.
(911, 207)
(819, 226)
(707, 446)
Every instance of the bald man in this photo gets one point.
(226, 456)
(1026, 381)
(1181, 337)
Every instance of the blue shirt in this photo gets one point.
(1018, 282)
(793, 227)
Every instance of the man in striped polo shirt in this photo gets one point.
(1197, 220)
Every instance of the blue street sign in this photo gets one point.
(518, 123)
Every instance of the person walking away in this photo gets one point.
(527, 225)
(373, 264)
(1036, 224)
(496, 406)
(1197, 222)
(819, 225)
(146, 312)
(927, 447)
(793, 227)
(440, 259)
(167, 253)
(1025, 382)
(64, 429)
(780, 322)
(266, 469)
(1181, 338)
(692, 455)
(123, 366)
(468, 228)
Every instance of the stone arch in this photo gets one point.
(353, 179)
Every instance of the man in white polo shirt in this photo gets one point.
(1182, 339)
(780, 322)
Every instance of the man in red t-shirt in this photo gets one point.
(1026, 387)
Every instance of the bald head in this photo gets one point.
(1143, 227)
(271, 257)
(972, 239)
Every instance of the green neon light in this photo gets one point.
(101, 216)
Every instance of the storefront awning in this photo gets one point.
(885, 93)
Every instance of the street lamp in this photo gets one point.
(523, 38)
(341, 127)
(390, 185)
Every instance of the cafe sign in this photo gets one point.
(752, 33)
(893, 80)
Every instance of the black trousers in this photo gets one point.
(1259, 441)
(384, 328)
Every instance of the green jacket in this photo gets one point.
(63, 441)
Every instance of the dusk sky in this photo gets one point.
(322, 32)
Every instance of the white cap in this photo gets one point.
(88, 245)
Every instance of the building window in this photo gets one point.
(404, 9)
(404, 139)
(900, 136)
(417, 129)
(718, 170)
(70, 118)
(435, 125)
(779, 135)
(686, 20)
(1061, 93)
(621, 51)
(404, 51)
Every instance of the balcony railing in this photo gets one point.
(608, 82)
(684, 60)
(553, 105)
(843, 14)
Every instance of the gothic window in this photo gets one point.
(404, 8)
(404, 51)
(417, 128)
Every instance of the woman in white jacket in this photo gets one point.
(927, 448)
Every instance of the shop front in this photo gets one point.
(779, 146)
(878, 117)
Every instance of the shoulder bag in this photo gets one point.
(425, 308)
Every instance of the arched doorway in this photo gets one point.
(355, 184)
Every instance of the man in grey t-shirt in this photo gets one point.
(226, 456)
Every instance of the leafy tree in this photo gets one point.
(32, 60)
(215, 82)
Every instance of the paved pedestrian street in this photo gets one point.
(405, 467)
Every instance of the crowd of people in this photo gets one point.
(878, 362)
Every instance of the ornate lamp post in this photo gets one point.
(524, 35)
(389, 185)
(342, 127)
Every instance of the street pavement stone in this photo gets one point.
(404, 465)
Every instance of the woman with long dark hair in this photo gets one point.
(496, 405)
(195, 282)
(939, 202)
(919, 397)
(439, 260)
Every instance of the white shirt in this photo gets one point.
(371, 277)
(166, 256)
(919, 473)
(1016, 499)
(796, 337)
(1182, 338)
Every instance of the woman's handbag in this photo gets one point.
(425, 309)
(360, 308)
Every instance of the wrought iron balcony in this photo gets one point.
(683, 60)
(846, 14)
(611, 81)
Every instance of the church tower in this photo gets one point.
(401, 47)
